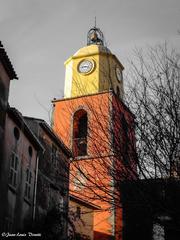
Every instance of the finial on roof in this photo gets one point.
(95, 36)
(95, 22)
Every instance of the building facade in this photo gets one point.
(53, 182)
(34, 170)
(94, 122)
(7, 74)
(18, 174)
(19, 156)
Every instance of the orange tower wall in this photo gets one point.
(96, 184)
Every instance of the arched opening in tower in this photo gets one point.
(80, 124)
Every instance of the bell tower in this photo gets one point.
(94, 122)
(93, 69)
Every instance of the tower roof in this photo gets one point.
(92, 50)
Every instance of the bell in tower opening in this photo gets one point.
(95, 36)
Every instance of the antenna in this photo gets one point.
(95, 22)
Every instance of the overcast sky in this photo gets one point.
(39, 35)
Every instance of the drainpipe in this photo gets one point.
(35, 187)
(36, 177)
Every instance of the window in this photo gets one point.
(30, 151)
(16, 133)
(13, 172)
(27, 193)
(61, 204)
(80, 122)
(54, 154)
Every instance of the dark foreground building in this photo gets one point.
(19, 150)
(7, 74)
(34, 170)
(18, 175)
(51, 217)
(151, 209)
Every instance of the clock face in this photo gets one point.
(118, 73)
(86, 66)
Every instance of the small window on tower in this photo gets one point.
(80, 122)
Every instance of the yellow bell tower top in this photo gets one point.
(93, 69)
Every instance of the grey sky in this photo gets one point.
(39, 35)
